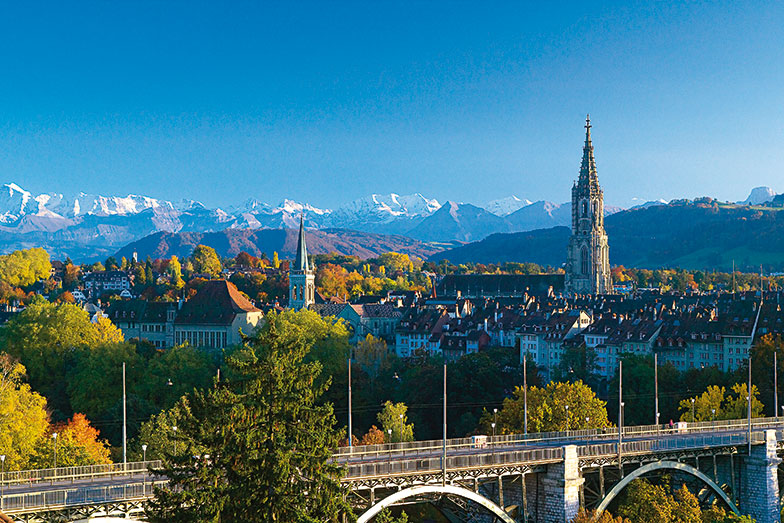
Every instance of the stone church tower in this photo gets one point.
(588, 259)
(302, 279)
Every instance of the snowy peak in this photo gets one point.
(506, 206)
(759, 195)
(15, 202)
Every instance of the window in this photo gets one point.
(584, 260)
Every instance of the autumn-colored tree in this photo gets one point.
(23, 416)
(590, 517)
(374, 436)
(175, 272)
(23, 268)
(331, 280)
(206, 261)
(79, 442)
(275, 260)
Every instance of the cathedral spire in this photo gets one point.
(301, 261)
(588, 175)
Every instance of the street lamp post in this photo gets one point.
(125, 426)
(389, 453)
(350, 428)
(775, 385)
(495, 416)
(567, 420)
(54, 437)
(144, 452)
(525, 398)
(656, 386)
(620, 414)
(174, 429)
(692, 409)
(493, 425)
(401, 428)
(443, 442)
(713, 414)
(2, 482)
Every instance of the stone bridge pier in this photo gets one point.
(759, 491)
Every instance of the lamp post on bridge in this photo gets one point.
(350, 428)
(401, 428)
(2, 482)
(144, 452)
(525, 397)
(125, 426)
(692, 409)
(174, 429)
(567, 420)
(54, 437)
(656, 387)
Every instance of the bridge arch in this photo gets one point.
(435, 489)
(672, 465)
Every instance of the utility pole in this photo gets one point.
(525, 398)
(620, 413)
(656, 386)
(775, 383)
(443, 456)
(749, 404)
(125, 426)
(350, 431)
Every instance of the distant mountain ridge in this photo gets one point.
(88, 226)
(700, 234)
(231, 242)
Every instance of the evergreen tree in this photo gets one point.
(264, 442)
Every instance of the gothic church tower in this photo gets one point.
(588, 259)
(302, 280)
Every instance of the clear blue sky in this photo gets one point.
(325, 102)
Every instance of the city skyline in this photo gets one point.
(329, 105)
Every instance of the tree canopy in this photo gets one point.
(266, 438)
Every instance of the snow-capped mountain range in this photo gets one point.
(89, 226)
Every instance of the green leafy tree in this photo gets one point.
(393, 417)
(206, 261)
(726, 406)
(44, 337)
(385, 516)
(268, 440)
(547, 409)
(159, 434)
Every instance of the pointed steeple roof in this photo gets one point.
(588, 175)
(301, 261)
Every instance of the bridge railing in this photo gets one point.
(52, 499)
(77, 473)
(426, 447)
(432, 464)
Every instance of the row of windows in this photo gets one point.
(216, 340)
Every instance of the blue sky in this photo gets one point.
(329, 101)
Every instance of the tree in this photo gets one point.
(24, 268)
(393, 417)
(394, 262)
(374, 436)
(269, 441)
(77, 445)
(205, 261)
(714, 403)
(385, 516)
(158, 433)
(547, 409)
(372, 354)
(275, 260)
(44, 337)
(23, 417)
(175, 272)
